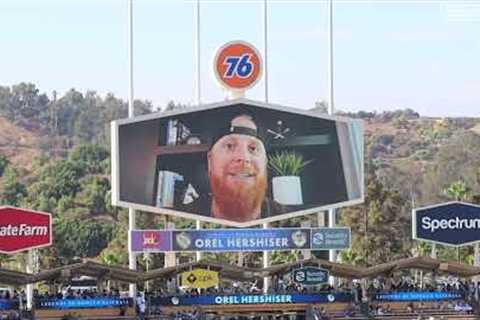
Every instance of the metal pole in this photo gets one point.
(265, 68)
(130, 60)
(132, 258)
(198, 254)
(265, 47)
(331, 107)
(29, 270)
(476, 263)
(265, 265)
(332, 254)
(197, 54)
(433, 254)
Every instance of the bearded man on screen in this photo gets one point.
(237, 171)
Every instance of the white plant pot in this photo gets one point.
(287, 190)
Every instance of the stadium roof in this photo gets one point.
(335, 269)
(233, 272)
(424, 263)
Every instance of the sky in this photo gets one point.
(388, 54)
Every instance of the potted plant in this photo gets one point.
(286, 185)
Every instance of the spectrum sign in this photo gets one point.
(23, 229)
(452, 223)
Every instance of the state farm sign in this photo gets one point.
(23, 229)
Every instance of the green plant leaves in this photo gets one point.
(287, 163)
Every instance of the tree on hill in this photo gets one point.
(92, 196)
(4, 162)
(458, 160)
(24, 104)
(380, 226)
(74, 190)
(13, 191)
(81, 238)
(77, 116)
(457, 190)
(92, 157)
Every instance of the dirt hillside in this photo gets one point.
(19, 145)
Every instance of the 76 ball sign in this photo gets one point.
(238, 65)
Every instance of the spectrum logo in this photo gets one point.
(451, 223)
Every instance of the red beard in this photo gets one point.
(238, 202)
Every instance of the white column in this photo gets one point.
(476, 263)
(433, 255)
(332, 255)
(265, 68)
(331, 106)
(198, 254)
(476, 255)
(265, 265)
(321, 219)
(170, 257)
(198, 91)
(307, 254)
(132, 257)
(265, 48)
(29, 269)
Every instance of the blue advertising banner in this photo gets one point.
(452, 223)
(310, 275)
(330, 238)
(82, 303)
(418, 296)
(250, 299)
(227, 240)
(241, 239)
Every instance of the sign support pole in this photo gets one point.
(198, 255)
(29, 289)
(332, 254)
(266, 261)
(433, 254)
(132, 257)
(476, 263)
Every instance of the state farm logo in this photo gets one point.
(22, 229)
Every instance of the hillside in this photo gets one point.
(401, 147)
(19, 145)
(409, 161)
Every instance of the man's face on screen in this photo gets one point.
(237, 169)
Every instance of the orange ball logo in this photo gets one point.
(238, 65)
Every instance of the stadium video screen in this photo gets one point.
(237, 163)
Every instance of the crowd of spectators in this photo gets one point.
(429, 284)
(285, 285)
(16, 300)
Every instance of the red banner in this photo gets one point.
(23, 229)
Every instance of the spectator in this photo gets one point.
(140, 305)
